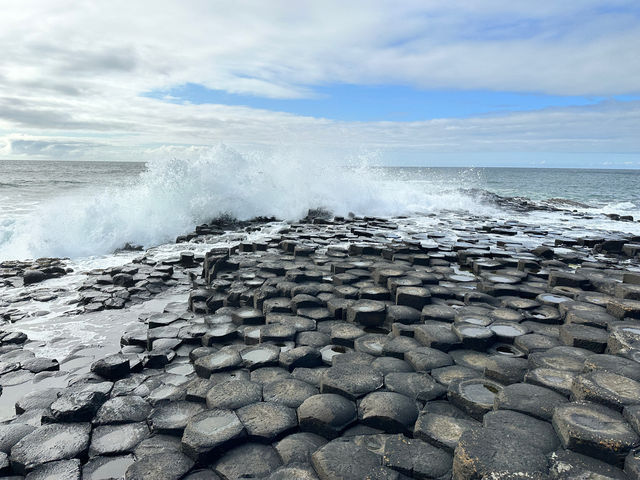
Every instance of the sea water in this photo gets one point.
(87, 210)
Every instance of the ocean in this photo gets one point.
(89, 209)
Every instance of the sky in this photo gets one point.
(466, 83)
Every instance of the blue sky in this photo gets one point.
(364, 103)
(474, 82)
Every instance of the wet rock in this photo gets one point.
(62, 469)
(299, 471)
(583, 336)
(539, 433)
(614, 364)
(233, 394)
(560, 381)
(12, 433)
(33, 276)
(326, 414)
(37, 400)
(289, 392)
(388, 411)
(103, 468)
(210, 430)
(298, 447)
(414, 297)
(594, 430)
(265, 421)
(166, 466)
(50, 443)
(487, 452)
(250, 460)
(117, 439)
(417, 386)
(475, 396)
(342, 459)
(370, 313)
(76, 406)
(37, 365)
(609, 389)
(171, 418)
(217, 362)
(300, 357)
(351, 381)
(568, 465)
(113, 367)
(442, 431)
(533, 400)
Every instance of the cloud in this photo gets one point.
(76, 70)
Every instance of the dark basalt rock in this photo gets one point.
(498, 453)
(594, 430)
(117, 439)
(289, 392)
(343, 458)
(609, 389)
(539, 433)
(298, 447)
(351, 381)
(99, 468)
(76, 406)
(210, 430)
(442, 431)
(417, 386)
(568, 465)
(388, 411)
(166, 465)
(475, 396)
(266, 421)
(62, 469)
(326, 414)
(112, 367)
(533, 400)
(233, 394)
(250, 460)
(50, 443)
(171, 418)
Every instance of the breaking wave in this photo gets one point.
(174, 194)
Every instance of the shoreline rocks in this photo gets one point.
(355, 348)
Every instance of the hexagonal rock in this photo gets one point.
(583, 336)
(562, 358)
(351, 381)
(125, 409)
(370, 313)
(345, 334)
(613, 363)
(117, 439)
(425, 359)
(305, 357)
(568, 465)
(539, 433)
(49, 444)
(442, 431)
(116, 466)
(250, 460)
(533, 400)
(473, 336)
(560, 381)
(247, 316)
(623, 337)
(326, 414)
(233, 394)
(474, 396)
(414, 297)
(62, 469)
(289, 392)
(388, 411)
(12, 433)
(620, 308)
(299, 471)
(609, 389)
(37, 399)
(417, 386)
(412, 457)
(386, 365)
(594, 430)
(497, 453)
(217, 362)
(76, 406)
(210, 430)
(112, 367)
(298, 447)
(344, 459)
(168, 465)
(266, 421)
(436, 335)
(171, 418)
(632, 415)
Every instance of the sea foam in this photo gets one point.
(175, 194)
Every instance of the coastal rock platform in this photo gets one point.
(353, 348)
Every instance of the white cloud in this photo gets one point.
(73, 71)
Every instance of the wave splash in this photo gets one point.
(175, 194)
